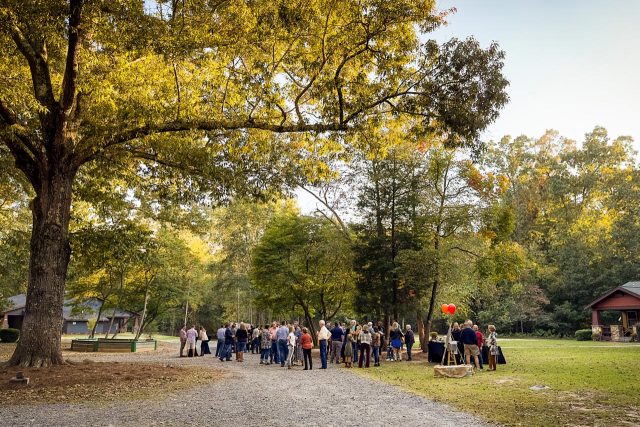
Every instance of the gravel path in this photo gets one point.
(270, 396)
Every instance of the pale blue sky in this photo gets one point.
(572, 64)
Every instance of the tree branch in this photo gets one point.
(71, 67)
(36, 57)
(205, 125)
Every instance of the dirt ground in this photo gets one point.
(90, 380)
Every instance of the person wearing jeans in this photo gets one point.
(273, 356)
(228, 344)
(265, 345)
(375, 345)
(409, 340)
(323, 336)
(291, 346)
(283, 350)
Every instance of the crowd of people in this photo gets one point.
(289, 344)
(470, 341)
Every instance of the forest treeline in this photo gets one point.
(522, 233)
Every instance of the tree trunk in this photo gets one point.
(424, 338)
(95, 325)
(144, 309)
(39, 343)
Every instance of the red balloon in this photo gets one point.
(445, 308)
(451, 308)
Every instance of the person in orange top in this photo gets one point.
(307, 345)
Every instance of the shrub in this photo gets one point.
(584, 335)
(9, 335)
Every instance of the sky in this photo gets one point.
(572, 64)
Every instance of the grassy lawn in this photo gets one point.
(591, 383)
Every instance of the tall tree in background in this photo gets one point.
(303, 264)
(194, 86)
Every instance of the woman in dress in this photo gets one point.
(395, 337)
(348, 349)
(492, 341)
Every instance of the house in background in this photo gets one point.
(624, 299)
(76, 316)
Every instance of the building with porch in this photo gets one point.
(624, 299)
(76, 316)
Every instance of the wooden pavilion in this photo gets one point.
(626, 300)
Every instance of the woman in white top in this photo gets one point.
(204, 342)
(291, 343)
(365, 345)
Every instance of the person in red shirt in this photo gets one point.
(307, 345)
(480, 342)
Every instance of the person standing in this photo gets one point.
(265, 346)
(348, 349)
(409, 340)
(307, 344)
(242, 336)
(395, 338)
(297, 358)
(323, 336)
(228, 344)
(191, 341)
(274, 343)
(183, 340)
(337, 335)
(365, 346)
(255, 340)
(283, 350)
(470, 342)
(204, 342)
(355, 331)
(291, 346)
(480, 343)
(375, 345)
(456, 333)
(494, 350)
(220, 342)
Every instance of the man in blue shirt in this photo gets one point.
(470, 341)
(283, 349)
(337, 335)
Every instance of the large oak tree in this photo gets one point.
(211, 88)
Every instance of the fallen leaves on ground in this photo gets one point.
(91, 381)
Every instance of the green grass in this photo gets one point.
(592, 383)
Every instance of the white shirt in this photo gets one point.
(292, 339)
(324, 333)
